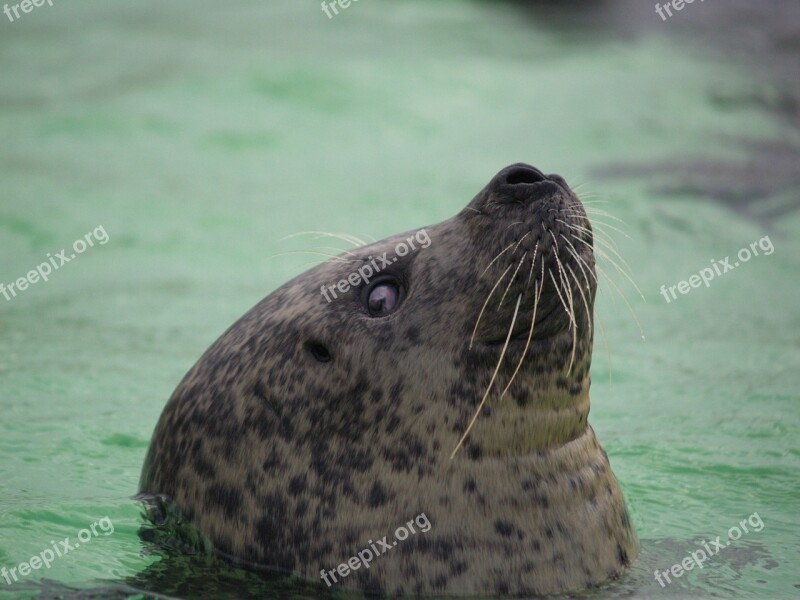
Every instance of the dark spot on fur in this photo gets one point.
(227, 498)
(412, 335)
(377, 495)
(541, 500)
(260, 392)
(391, 426)
(474, 451)
(297, 484)
(504, 528)
(458, 567)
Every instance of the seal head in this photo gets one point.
(452, 382)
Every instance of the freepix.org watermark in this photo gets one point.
(678, 5)
(382, 546)
(720, 267)
(327, 7)
(61, 548)
(375, 265)
(44, 270)
(709, 549)
(25, 6)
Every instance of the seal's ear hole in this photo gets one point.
(318, 351)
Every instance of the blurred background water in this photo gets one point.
(198, 134)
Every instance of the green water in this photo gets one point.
(197, 135)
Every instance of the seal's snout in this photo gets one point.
(522, 184)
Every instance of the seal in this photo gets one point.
(452, 384)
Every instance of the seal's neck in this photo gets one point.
(538, 420)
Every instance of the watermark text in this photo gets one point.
(367, 555)
(709, 549)
(720, 267)
(45, 269)
(375, 265)
(59, 549)
(25, 6)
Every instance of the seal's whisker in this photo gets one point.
(503, 251)
(596, 235)
(571, 298)
(485, 304)
(597, 209)
(581, 261)
(514, 223)
(533, 262)
(558, 260)
(601, 253)
(592, 210)
(569, 314)
(511, 281)
(603, 238)
(585, 302)
(605, 346)
(473, 209)
(602, 225)
(520, 241)
(568, 307)
(593, 213)
(580, 289)
(325, 254)
(491, 381)
(345, 237)
(355, 256)
(628, 272)
(609, 242)
(604, 256)
(536, 295)
(606, 241)
(624, 298)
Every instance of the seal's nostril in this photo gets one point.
(522, 175)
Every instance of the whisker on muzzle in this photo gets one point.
(491, 382)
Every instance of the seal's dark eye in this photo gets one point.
(383, 299)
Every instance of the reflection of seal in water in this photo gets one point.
(311, 428)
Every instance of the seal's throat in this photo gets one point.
(527, 419)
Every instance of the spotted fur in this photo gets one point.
(283, 460)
